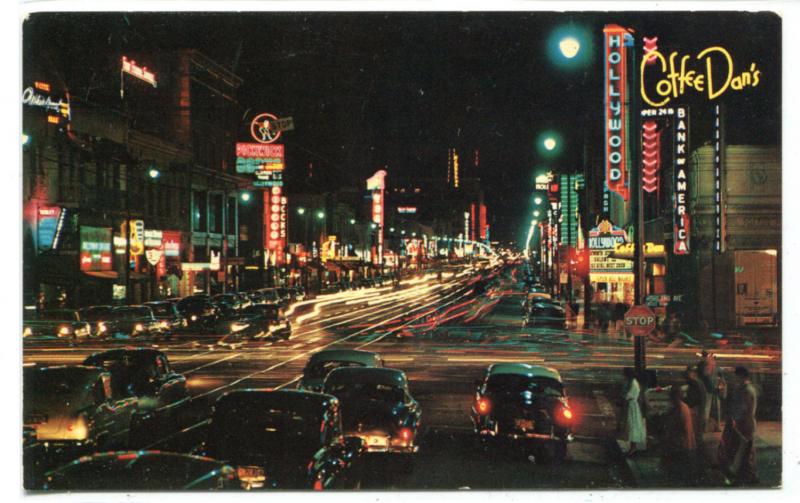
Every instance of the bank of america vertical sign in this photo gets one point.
(617, 39)
(682, 219)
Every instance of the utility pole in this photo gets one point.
(637, 207)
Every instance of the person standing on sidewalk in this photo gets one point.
(696, 399)
(711, 377)
(737, 448)
(635, 428)
(679, 455)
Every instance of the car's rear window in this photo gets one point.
(516, 383)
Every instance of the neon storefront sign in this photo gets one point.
(675, 75)
(617, 39)
(130, 67)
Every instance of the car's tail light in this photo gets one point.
(483, 406)
(318, 485)
(405, 434)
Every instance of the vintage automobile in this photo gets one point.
(524, 404)
(293, 437)
(201, 314)
(323, 362)
(55, 323)
(544, 314)
(73, 409)
(142, 471)
(100, 319)
(168, 316)
(256, 322)
(147, 375)
(134, 321)
(377, 407)
(273, 296)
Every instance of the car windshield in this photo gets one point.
(247, 432)
(366, 391)
(133, 312)
(162, 309)
(58, 315)
(322, 369)
(515, 383)
(547, 310)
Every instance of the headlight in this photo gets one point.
(194, 317)
(64, 330)
(27, 331)
(101, 327)
(164, 324)
(84, 331)
(138, 327)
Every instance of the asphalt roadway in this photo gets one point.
(443, 336)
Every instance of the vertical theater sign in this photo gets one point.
(376, 185)
(617, 39)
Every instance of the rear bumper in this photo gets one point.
(380, 442)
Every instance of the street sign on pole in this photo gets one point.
(284, 124)
(640, 320)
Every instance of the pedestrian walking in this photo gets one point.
(635, 428)
(711, 377)
(696, 399)
(737, 452)
(679, 454)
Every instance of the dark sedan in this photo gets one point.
(525, 404)
(142, 471)
(256, 322)
(544, 313)
(295, 437)
(377, 407)
(201, 314)
(168, 316)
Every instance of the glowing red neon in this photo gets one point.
(650, 46)
(651, 156)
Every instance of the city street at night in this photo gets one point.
(397, 251)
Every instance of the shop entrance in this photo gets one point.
(756, 273)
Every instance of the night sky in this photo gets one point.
(397, 89)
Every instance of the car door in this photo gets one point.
(112, 414)
(171, 385)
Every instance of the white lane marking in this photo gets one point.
(211, 363)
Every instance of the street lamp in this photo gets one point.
(301, 211)
(373, 225)
(320, 215)
(536, 213)
(153, 173)
(569, 47)
(245, 196)
(549, 143)
(537, 200)
(352, 221)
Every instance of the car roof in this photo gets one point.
(524, 369)
(345, 355)
(266, 398)
(87, 370)
(389, 377)
(117, 354)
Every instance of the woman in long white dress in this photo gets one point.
(635, 431)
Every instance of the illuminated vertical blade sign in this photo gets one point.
(275, 223)
(376, 184)
(650, 45)
(682, 219)
(719, 203)
(651, 156)
(616, 107)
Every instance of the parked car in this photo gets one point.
(73, 409)
(135, 321)
(142, 471)
(229, 303)
(200, 313)
(99, 318)
(524, 404)
(377, 407)
(323, 362)
(543, 313)
(160, 391)
(168, 316)
(299, 293)
(295, 437)
(273, 296)
(255, 322)
(55, 323)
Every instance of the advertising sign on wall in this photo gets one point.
(95, 248)
(275, 222)
(264, 161)
(617, 39)
(50, 218)
(681, 218)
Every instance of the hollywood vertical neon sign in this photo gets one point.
(616, 108)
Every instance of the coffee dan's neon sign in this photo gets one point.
(677, 77)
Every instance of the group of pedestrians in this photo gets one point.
(704, 403)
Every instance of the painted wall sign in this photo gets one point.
(617, 39)
(681, 217)
(263, 128)
(674, 76)
(140, 72)
(719, 183)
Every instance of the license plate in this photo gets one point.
(374, 441)
(524, 424)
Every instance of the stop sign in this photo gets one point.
(640, 320)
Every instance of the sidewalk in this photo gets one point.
(644, 470)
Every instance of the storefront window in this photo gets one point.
(199, 211)
(756, 273)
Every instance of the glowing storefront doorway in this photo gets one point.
(756, 287)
